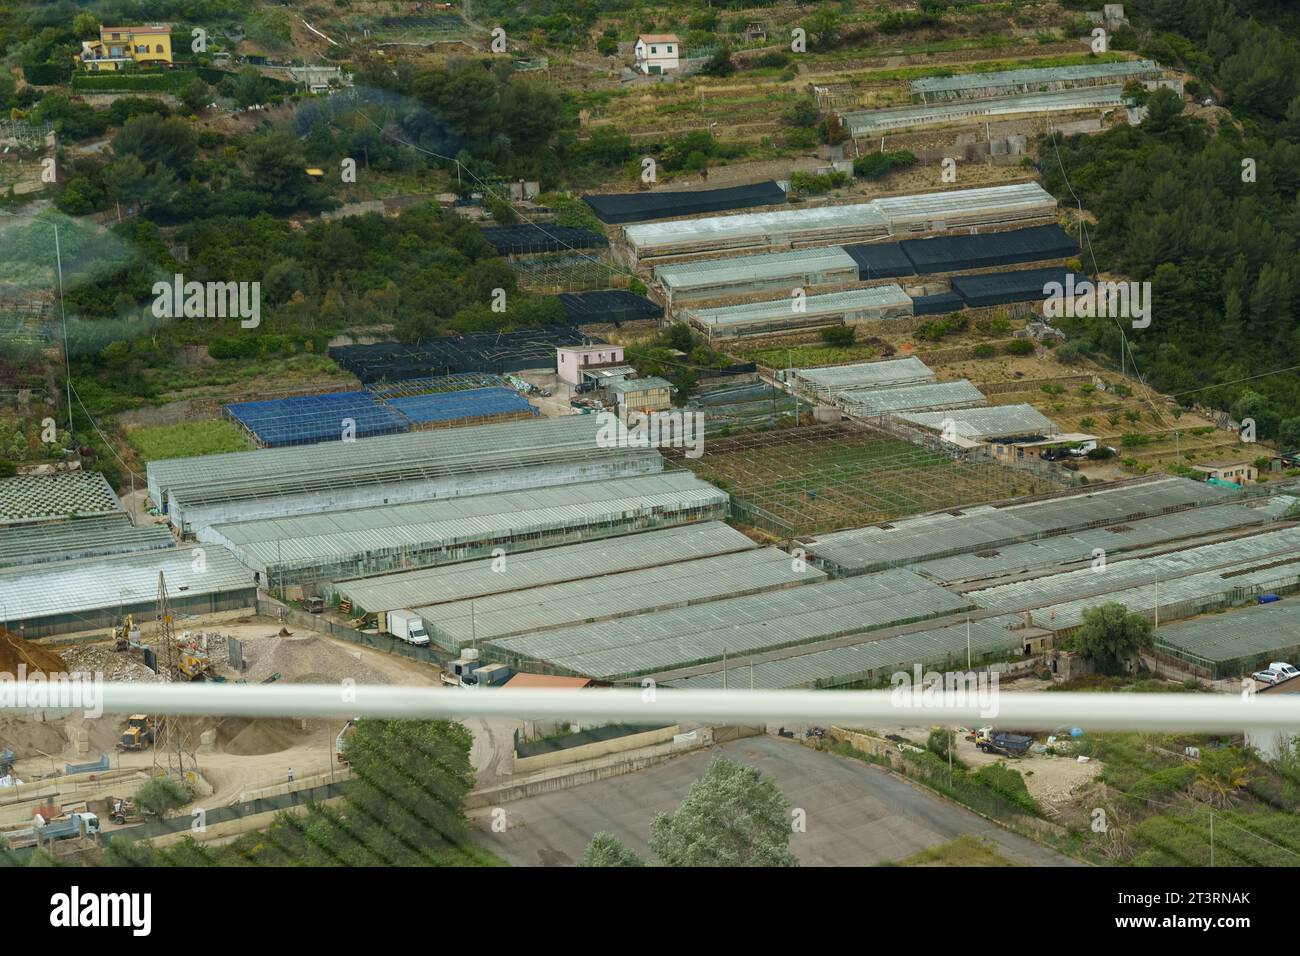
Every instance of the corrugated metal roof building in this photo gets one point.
(345, 544)
(68, 596)
(874, 122)
(828, 379)
(753, 275)
(814, 311)
(611, 596)
(930, 89)
(756, 232)
(1081, 546)
(1164, 568)
(981, 423)
(1237, 643)
(280, 482)
(967, 208)
(927, 537)
(654, 642)
(870, 402)
(78, 538)
(537, 568)
(871, 660)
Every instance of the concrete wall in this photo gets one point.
(599, 748)
(602, 768)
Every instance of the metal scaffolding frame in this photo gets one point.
(819, 478)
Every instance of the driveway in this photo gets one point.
(857, 814)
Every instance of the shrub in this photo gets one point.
(985, 350)
(879, 165)
(811, 184)
(1020, 347)
(839, 336)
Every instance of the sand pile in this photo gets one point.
(246, 736)
(32, 738)
(307, 660)
(15, 651)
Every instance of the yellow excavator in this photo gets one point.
(126, 635)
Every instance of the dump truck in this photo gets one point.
(342, 737)
(66, 827)
(405, 626)
(139, 733)
(1000, 742)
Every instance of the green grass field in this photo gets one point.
(189, 438)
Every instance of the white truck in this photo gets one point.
(405, 626)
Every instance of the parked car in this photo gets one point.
(1275, 673)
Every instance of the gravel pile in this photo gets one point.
(305, 659)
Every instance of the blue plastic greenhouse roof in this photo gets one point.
(313, 418)
(471, 403)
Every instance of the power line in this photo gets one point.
(1096, 270)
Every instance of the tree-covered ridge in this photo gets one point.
(1176, 207)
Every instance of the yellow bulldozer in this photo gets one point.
(139, 733)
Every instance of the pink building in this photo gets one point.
(571, 362)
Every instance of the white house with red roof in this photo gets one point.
(658, 52)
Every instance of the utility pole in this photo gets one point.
(63, 315)
(173, 747)
(950, 758)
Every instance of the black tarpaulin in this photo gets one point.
(985, 250)
(639, 207)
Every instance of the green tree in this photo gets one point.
(195, 94)
(839, 336)
(162, 795)
(406, 802)
(720, 64)
(1288, 435)
(157, 141)
(606, 850)
(823, 28)
(85, 26)
(732, 816)
(680, 337)
(270, 28)
(1110, 636)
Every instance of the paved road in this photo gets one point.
(857, 814)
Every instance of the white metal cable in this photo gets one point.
(1218, 713)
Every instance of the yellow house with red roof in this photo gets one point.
(120, 47)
